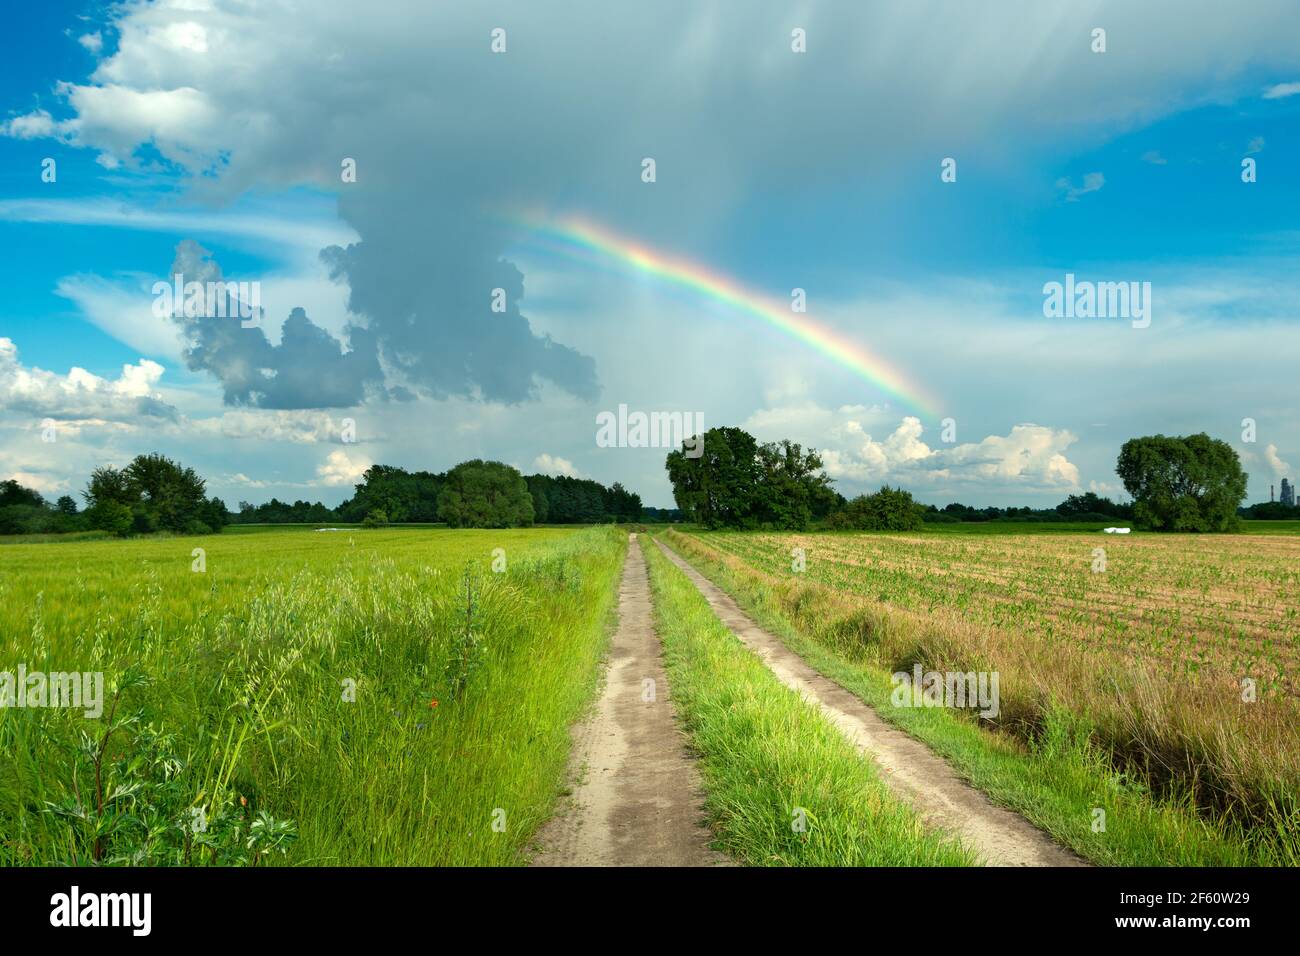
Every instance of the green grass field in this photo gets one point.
(354, 697)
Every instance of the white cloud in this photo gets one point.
(80, 395)
(306, 229)
(1030, 456)
(339, 469)
(38, 124)
(554, 465)
(93, 42)
(1091, 183)
(1280, 468)
(292, 426)
(124, 310)
(1281, 91)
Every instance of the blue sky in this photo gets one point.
(212, 123)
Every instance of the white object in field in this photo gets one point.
(329, 529)
(1117, 530)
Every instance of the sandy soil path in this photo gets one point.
(999, 836)
(636, 797)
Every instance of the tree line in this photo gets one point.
(151, 494)
(154, 493)
(1192, 483)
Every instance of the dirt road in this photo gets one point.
(999, 836)
(636, 797)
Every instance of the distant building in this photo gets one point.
(1288, 493)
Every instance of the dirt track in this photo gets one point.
(636, 797)
(999, 836)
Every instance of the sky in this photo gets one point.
(472, 229)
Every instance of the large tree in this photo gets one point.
(485, 494)
(157, 493)
(1193, 483)
(736, 482)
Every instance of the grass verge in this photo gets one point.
(783, 787)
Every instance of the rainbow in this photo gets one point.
(579, 238)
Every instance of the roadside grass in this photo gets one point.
(770, 761)
(1058, 774)
(232, 741)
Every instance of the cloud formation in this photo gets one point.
(1029, 457)
(81, 396)
(308, 369)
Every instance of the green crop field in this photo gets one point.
(1170, 657)
(300, 697)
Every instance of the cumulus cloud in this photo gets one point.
(1029, 456)
(340, 469)
(554, 465)
(80, 395)
(1280, 468)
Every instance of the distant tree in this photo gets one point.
(889, 509)
(1091, 505)
(485, 494)
(1192, 483)
(158, 493)
(66, 505)
(376, 519)
(402, 495)
(12, 493)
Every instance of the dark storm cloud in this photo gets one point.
(428, 300)
(308, 369)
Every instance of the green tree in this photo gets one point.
(889, 509)
(716, 488)
(790, 482)
(737, 483)
(66, 505)
(485, 494)
(1192, 483)
(158, 493)
(111, 516)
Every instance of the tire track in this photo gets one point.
(636, 796)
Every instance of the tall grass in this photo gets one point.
(304, 699)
